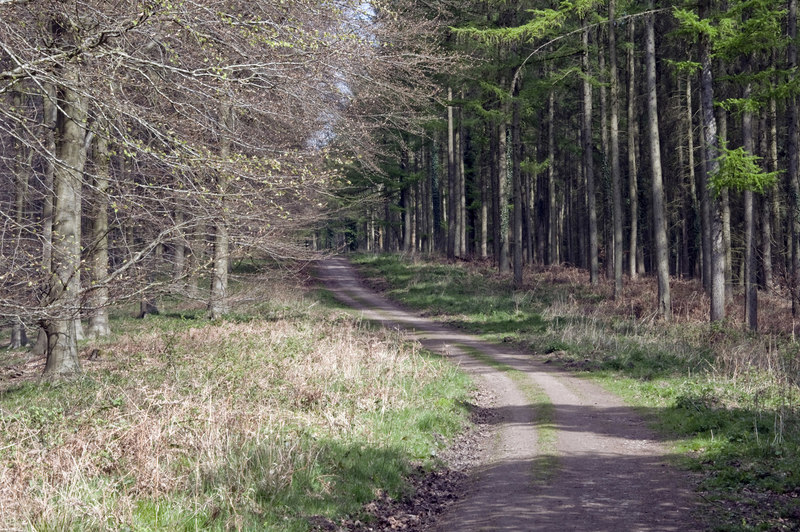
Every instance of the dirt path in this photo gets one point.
(602, 470)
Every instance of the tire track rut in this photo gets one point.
(610, 471)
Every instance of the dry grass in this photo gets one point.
(187, 414)
(737, 352)
(690, 304)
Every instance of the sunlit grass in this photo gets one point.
(285, 410)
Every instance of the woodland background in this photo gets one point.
(146, 145)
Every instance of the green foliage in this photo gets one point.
(534, 167)
(692, 25)
(684, 67)
(740, 171)
(543, 21)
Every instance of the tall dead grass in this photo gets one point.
(737, 354)
(194, 414)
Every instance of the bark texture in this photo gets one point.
(63, 299)
(659, 220)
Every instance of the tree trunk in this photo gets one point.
(502, 193)
(766, 206)
(633, 134)
(517, 186)
(750, 282)
(218, 304)
(774, 204)
(588, 159)
(724, 198)
(659, 220)
(693, 204)
(452, 232)
(49, 118)
(22, 165)
(494, 165)
(712, 168)
(462, 186)
(552, 232)
(98, 259)
(417, 198)
(705, 216)
(436, 197)
(616, 178)
(608, 235)
(406, 202)
(179, 258)
(794, 164)
(63, 299)
(527, 213)
(484, 245)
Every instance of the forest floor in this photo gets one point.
(552, 451)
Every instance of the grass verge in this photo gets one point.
(286, 411)
(730, 399)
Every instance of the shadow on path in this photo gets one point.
(606, 470)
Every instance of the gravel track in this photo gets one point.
(602, 468)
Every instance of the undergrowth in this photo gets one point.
(730, 399)
(286, 410)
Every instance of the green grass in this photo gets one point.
(729, 400)
(464, 298)
(287, 409)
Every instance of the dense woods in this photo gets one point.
(144, 145)
(626, 138)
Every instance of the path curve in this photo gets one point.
(610, 472)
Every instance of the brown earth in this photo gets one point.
(605, 470)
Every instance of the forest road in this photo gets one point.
(567, 454)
